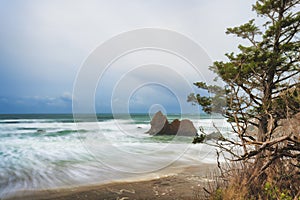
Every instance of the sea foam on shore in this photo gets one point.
(44, 152)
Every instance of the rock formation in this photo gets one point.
(161, 126)
(173, 127)
(214, 136)
(187, 128)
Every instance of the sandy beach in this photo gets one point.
(186, 183)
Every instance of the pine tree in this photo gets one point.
(262, 83)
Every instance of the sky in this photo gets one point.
(44, 44)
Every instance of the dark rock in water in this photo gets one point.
(187, 128)
(199, 139)
(161, 126)
(203, 137)
(214, 136)
(173, 127)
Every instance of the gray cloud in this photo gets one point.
(44, 43)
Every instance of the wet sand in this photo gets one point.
(188, 183)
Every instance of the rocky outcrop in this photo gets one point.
(289, 127)
(203, 137)
(161, 126)
(214, 136)
(187, 128)
(285, 127)
(174, 127)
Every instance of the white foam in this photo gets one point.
(97, 152)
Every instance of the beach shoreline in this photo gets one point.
(182, 183)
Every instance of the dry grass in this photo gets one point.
(247, 179)
(279, 181)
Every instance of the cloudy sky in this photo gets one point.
(43, 45)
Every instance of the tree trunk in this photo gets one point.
(262, 128)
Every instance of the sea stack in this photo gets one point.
(161, 126)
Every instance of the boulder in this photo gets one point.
(203, 137)
(187, 128)
(161, 126)
(289, 127)
(199, 139)
(214, 136)
(173, 127)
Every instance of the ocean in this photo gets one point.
(46, 151)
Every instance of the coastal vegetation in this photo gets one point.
(261, 101)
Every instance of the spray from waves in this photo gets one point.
(50, 152)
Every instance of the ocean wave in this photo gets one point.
(48, 153)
